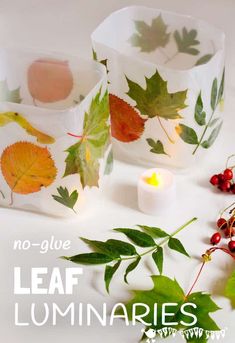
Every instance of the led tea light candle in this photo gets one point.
(156, 191)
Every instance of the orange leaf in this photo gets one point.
(126, 123)
(27, 167)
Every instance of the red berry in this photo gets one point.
(225, 186)
(221, 178)
(233, 188)
(228, 174)
(222, 223)
(229, 232)
(214, 180)
(216, 238)
(231, 246)
(232, 221)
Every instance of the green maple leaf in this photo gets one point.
(83, 157)
(66, 199)
(230, 289)
(150, 37)
(187, 41)
(166, 290)
(155, 100)
(7, 95)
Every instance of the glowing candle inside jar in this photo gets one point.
(156, 191)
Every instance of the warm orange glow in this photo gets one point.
(154, 180)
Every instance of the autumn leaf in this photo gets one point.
(150, 37)
(27, 167)
(7, 95)
(166, 290)
(83, 157)
(155, 100)
(14, 117)
(126, 123)
(186, 41)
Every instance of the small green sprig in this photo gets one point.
(113, 252)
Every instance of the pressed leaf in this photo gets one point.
(187, 134)
(158, 258)
(204, 59)
(139, 238)
(123, 248)
(103, 247)
(155, 100)
(166, 290)
(199, 114)
(14, 117)
(155, 232)
(186, 41)
(131, 267)
(109, 273)
(214, 121)
(66, 199)
(27, 167)
(9, 95)
(90, 258)
(83, 157)
(230, 289)
(214, 134)
(221, 88)
(150, 37)
(214, 91)
(126, 123)
(157, 147)
(109, 163)
(176, 245)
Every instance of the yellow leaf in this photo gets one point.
(27, 167)
(9, 117)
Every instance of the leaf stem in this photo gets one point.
(169, 59)
(12, 200)
(164, 129)
(206, 258)
(163, 242)
(228, 161)
(203, 134)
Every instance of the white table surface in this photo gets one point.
(66, 26)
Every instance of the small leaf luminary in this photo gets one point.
(156, 191)
(166, 84)
(55, 146)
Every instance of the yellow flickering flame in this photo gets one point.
(154, 180)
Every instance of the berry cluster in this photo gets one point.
(227, 227)
(224, 181)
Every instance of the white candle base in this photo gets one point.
(155, 200)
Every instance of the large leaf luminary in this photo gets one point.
(161, 65)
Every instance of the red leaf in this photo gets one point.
(126, 123)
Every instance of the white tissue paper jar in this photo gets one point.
(54, 132)
(166, 84)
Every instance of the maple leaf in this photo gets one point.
(150, 37)
(155, 100)
(27, 167)
(7, 95)
(166, 290)
(14, 117)
(126, 123)
(186, 41)
(230, 289)
(83, 157)
(66, 199)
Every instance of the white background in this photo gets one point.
(66, 25)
